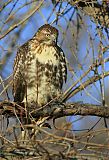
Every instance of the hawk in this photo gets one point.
(39, 68)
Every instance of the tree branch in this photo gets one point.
(83, 85)
(56, 110)
(86, 3)
(21, 22)
(98, 11)
(82, 109)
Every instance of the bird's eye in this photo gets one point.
(47, 35)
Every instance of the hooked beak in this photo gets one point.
(54, 39)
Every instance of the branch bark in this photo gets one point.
(56, 110)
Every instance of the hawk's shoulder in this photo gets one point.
(21, 54)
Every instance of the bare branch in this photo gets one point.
(21, 22)
(82, 86)
(65, 109)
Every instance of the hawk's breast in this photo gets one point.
(44, 74)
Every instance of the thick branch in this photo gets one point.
(56, 110)
(82, 109)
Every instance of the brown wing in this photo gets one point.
(63, 67)
(18, 73)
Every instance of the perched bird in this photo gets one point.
(39, 68)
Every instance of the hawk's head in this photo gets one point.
(47, 34)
